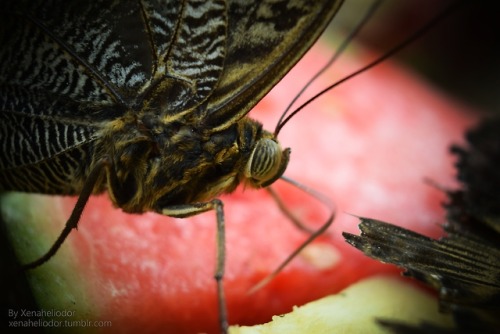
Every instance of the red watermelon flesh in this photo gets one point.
(368, 145)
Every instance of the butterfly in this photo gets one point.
(145, 100)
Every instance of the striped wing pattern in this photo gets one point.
(68, 68)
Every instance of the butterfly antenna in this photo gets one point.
(414, 36)
(340, 50)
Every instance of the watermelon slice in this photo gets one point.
(369, 146)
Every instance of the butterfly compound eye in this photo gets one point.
(267, 162)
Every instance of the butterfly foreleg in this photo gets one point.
(182, 211)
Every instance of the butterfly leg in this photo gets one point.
(181, 211)
(74, 218)
(287, 212)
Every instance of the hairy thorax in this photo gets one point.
(156, 163)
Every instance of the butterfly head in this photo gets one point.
(267, 162)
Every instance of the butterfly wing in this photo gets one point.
(67, 68)
(265, 40)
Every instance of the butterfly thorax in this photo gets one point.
(156, 163)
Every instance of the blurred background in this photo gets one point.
(461, 54)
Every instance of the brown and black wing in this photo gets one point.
(265, 40)
(68, 68)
